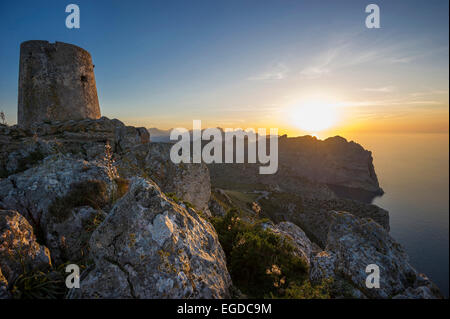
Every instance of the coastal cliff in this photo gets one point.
(97, 193)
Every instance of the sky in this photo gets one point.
(304, 67)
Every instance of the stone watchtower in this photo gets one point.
(56, 83)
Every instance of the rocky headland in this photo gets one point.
(99, 194)
(78, 188)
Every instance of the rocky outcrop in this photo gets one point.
(358, 209)
(68, 238)
(424, 289)
(332, 161)
(313, 215)
(70, 182)
(19, 251)
(150, 247)
(303, 246)
(47, 193)
(354, 243)
(21, 148)
(306, 166)
(189, 182)
(4, 293)
(216, 208)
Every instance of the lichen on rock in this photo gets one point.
(19, 250)
(150, 247)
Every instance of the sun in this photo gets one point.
(314, 116)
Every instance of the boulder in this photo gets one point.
(216, 208)
(189, 182)
(4, 293)
(313, 215)
(353, 243)
(302, 244)
(19, 251)
(21, 148)
(150, 247)
(126, 137)
(45, 194)
(322, 266)
(332, 161)
(68, 239)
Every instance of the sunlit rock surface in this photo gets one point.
(189, 182)
(19, 251)
(150, 247)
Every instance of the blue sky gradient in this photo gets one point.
(164, 63)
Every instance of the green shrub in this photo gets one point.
(261, 263)
(39, 285)
(87, 193)
(308, 291)
(173, 197)
(178, 200)
(28, 161)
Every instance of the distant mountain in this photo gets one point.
(159, 136)
(163, 136)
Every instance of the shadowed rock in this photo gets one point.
(19, 251)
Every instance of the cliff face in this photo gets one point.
(333, 161)
(61, 181)
(97, 193)
(311, 168)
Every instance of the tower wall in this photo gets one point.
(56, 83)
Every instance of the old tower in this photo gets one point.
(56, 83)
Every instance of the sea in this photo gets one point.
(413, 170)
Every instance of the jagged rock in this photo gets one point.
(35, 191)
(302, 244)
(313, 215)
(31, 153)
(22, 148)
(150, 247)
(4, 293)
(68, 239)
(19, 251)
(216, 208)
(422, 292)
(356, 208)
(423, 288)
(332, 161)
(322, 266)
(189, 182)
(128, 136)
(357, 242)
